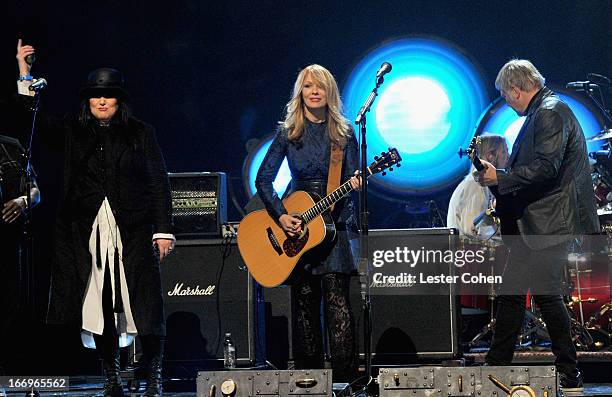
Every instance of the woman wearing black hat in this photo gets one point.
(115, 212)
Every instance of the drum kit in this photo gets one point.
(601, 174)
(596, 332)
(587, 281)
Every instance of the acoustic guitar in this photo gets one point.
(270, 254)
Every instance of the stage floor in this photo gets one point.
(94, 389)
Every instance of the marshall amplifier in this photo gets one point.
(199, 203)
(207, 292)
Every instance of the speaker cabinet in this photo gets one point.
(405, 327)
(278, 325)
(207, 292)
(411, 327)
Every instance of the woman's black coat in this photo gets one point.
(124, 163)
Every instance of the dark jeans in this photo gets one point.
(542, 272)
(306, 294)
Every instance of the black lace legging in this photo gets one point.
(306, 294)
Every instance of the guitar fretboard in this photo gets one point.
(385, 161)
(327, 202)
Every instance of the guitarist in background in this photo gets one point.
(470, 200)
(313, 126)
(13, 190)
(545, 199)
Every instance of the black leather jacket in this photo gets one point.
(546, 188)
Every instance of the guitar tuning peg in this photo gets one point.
(384, 173)
(398, 165)
(376, 158)
(382, 153)
(390, 168)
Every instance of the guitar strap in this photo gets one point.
(335, 169)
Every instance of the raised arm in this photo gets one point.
(23, 51)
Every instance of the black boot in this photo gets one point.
(108, 349)
(152, 351)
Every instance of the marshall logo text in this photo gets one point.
(179, 290)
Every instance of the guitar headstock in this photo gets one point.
(472, 149)
(385, 161)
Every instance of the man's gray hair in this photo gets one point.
(519, 73)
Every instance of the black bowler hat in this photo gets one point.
(105, 82)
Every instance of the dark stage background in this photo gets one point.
(211, 75)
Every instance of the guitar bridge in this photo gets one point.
(274, 241)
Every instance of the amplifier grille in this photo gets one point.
(199, 202)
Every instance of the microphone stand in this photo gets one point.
(601, 105)
(364, 276)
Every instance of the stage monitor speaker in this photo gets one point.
(207, 292)
(199, 203)
(307, 382)
(430, 381)
(405, 328)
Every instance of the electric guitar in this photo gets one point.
(270, 254)
(504, 208)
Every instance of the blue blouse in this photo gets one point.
(308, 160)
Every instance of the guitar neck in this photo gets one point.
(329, 200)
(477, 163)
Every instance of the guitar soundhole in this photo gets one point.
(274, 241)
(293, 246)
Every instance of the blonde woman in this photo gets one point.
(313, 125)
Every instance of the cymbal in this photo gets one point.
(601, 135)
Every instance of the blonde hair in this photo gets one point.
(337, 125)
(519, 73)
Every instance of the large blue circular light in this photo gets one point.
(501, 119)
(254, 160)
(427, 108)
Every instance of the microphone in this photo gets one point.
(580, 85)
(38, 85)
(599, 79)
(384, 69)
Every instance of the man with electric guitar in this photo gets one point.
(545, 203)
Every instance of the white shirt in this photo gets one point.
(468, 202)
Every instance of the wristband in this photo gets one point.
(26, 78)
